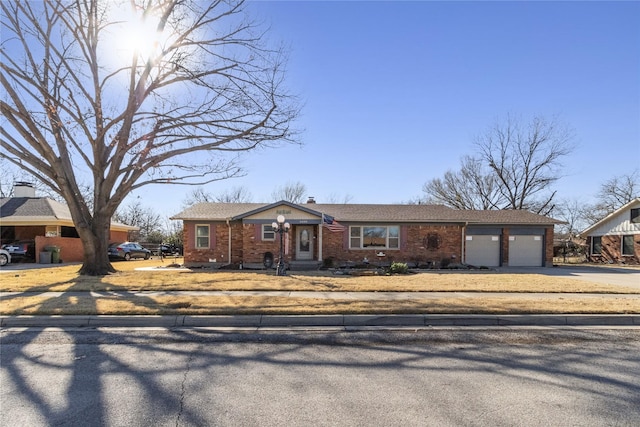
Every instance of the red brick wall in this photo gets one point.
(548, 241)
(71, 249)
(254, 247)
(505, 246)
(332, 244)
(118, 236)
(248, 246)
(612, 251)
(412, 246)
(29, 232)
(218, 249)
(236, 243)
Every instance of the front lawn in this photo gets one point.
(150, 292)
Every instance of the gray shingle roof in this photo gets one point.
(217, 211)
(40, 211)
(373, 213)
(29, 208)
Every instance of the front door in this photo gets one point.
(304, 246)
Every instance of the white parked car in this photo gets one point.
(5, 257)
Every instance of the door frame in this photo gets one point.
(308, 256)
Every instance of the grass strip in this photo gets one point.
(226, 305)
(62, 279)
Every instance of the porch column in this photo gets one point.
(320, 238)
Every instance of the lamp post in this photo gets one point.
(280, 227)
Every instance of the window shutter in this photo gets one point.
(257, 228)
(191, 235)
(403, 236)
(212, 236)
(345, 238)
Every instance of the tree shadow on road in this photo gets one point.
(117, 376)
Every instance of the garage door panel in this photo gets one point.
(525, 251)
(482, 250)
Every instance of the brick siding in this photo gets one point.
(247, 246)
(71, 249)
(412, 246)
(548, 241)
(612, 251)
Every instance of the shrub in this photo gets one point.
(398, 268)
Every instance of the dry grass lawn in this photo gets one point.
(226, 305)
(81, 301)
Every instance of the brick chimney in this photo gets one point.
(23, 189)
(311, 200)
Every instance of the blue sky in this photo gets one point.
(395, 92)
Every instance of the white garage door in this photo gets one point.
(525, 251)
(482, 251)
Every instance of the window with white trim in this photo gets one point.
(635, 215)
(374, 237)
(267, 232)
(627, 245)
(596, 245)
(202, 236)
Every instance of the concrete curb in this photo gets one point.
(338, 320)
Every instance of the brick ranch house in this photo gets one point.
(616, 238)
(241, 234)
(45, 222)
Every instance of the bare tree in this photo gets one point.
(335, 198)
(526, 160)
(472, 187)
(197, 195)
(175, 103)
(232, 195)
(142, 217)
(619, 190)
(291, 192)
(614, 193)
(174, 232)
(572, 212)
(11, 175)
(8, 178)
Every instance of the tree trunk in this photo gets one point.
(95, 242)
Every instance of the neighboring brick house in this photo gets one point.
(616, 238)
(218, 234)
(46, 222)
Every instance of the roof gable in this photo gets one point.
(618, 221)
(278, 208)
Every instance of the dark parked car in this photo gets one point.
(21, 251)
(128, 250)
(169, 250)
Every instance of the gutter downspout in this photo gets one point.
(229, 225)
(464, 237)
(320, 238)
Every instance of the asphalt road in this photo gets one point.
(435, 377)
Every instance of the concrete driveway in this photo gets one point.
(19, 266)
(622, 276)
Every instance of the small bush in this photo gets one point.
(327, 262)
(398, 268)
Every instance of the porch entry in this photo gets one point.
(304, 242)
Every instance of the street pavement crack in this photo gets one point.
(183, 387)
